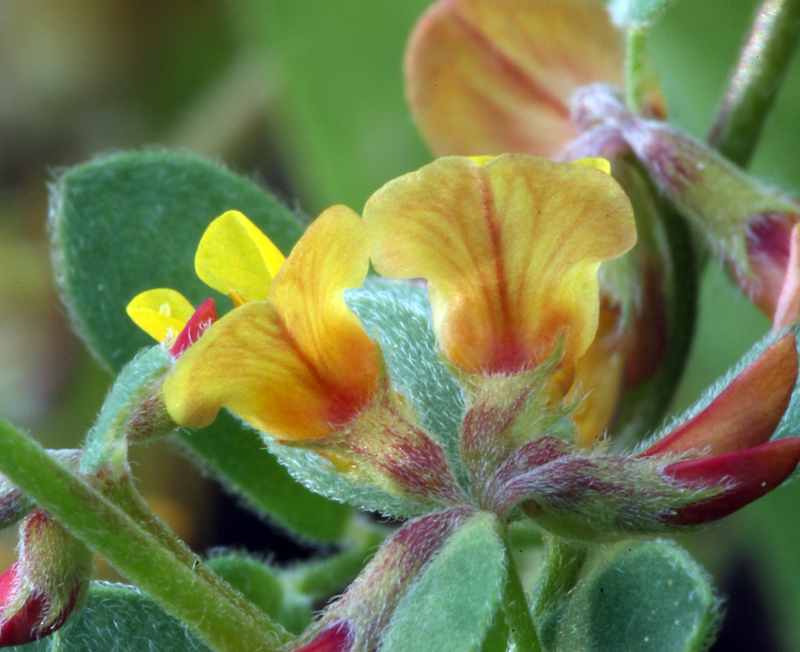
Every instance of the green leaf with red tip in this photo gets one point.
(648, 597)
(130, 222)
(453, 604)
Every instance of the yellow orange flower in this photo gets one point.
(298, 365)
(510, 249)
(494, 76)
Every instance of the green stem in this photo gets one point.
(202, 601)
(635, 67)
(560, 571)
(756, 80)
(518, 613)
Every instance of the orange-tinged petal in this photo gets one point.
(161, 313)
(236, 258)
(511, 251)
(746, 412)
(598, 380)
(298, 366)
(493, 76)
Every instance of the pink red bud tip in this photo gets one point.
(337, 637)
(199, 322)
(743, 476)
(25, 625)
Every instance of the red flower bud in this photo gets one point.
(40, 591)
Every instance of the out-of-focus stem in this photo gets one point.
(756, 79)
(635, 67)
(562, 565)
(518, 613)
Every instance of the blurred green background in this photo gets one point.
(307, 97)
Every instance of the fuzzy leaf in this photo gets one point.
(655, 589)
(130, 222)
(452, 605)
(397, 314)
(254, 579)
(119, 618)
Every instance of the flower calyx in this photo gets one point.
(713, 464)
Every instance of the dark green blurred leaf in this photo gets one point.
(342, 121)
(130, 222)
(237, 456)
(116, 618)
(451, 607)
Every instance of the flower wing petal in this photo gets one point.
(493, 76)
(511, 250)
(161, 313)
(299, 365)
(235, 256)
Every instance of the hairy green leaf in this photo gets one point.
(452, 605)
(652, 597)
(119, 618)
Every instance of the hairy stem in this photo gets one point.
(518, 613)
(756, 79)
(207, 605)
(562, 566)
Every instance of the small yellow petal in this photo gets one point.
(160, 313)
(480, 160)
(236, 258)
(602, 164)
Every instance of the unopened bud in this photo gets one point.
(49, 581)
(715, 463)
(749, 225)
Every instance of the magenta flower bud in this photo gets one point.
(48, 582)
(200, 321)
(336, 637)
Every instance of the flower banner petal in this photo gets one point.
(235, 258)
(493, 76)
(161, 313)
(299, 365)
(511, 251)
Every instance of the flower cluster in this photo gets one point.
(510, 249)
